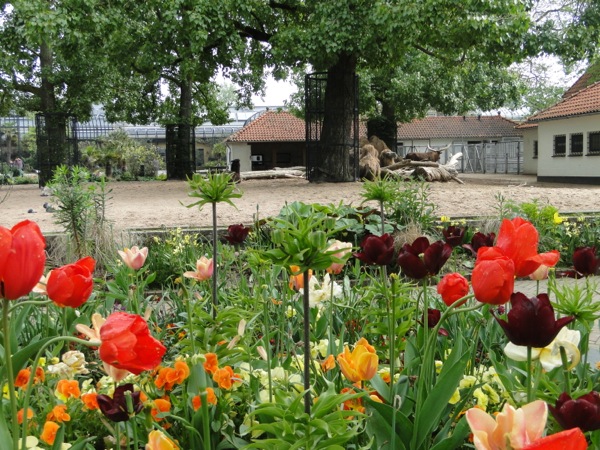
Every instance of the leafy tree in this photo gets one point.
(50, 63)
(167, 55)
(455, 54)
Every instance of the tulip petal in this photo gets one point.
(519, 352)
(572, 439)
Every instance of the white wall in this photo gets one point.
(567, 166)
(530, 164)
(241, 151)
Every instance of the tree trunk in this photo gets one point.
(182, 163)
(337, 139)
(52, 145)
(384, 126)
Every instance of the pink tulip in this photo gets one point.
(134, 257)
(204, 269)
(511, 429)
(342, 251)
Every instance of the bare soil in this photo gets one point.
(155, 204)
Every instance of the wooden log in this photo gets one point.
(275, 173)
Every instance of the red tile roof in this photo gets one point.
(590, 76)
(272, 126)
(584, 101)
(441, 127)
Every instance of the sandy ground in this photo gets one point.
(154, 204)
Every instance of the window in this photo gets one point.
(560, 145)
(535, 149)
(594, 143)
(576, 144)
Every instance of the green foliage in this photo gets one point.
(213, 188)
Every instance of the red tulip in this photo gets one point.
(434, 257)
(518, 239)
(572, 439)
(71, 285)
(22, 259)
(377, 250)
(583, 412)
(531, 321)
(493, 277)
(452, 287)
(127, 343)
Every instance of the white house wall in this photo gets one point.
(241, 151)
(567, 166)
(530, 163)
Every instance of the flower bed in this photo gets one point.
(313, 329)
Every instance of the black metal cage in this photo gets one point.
(56, 141)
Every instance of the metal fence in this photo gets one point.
(501, 157)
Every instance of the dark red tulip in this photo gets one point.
(433, 318)
(531, 321)
(583, 412)
(237, 234)
(480, 240)
(434, 257)
(377, 250)
(454, 235)
(115, 408)
(585, 261)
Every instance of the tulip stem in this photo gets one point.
(205, 420)
(565, 364)
(267, 342)
(216, 265)
(306, 307)
(529, 377)
(190, 323)
(29, 302)
(11, 376)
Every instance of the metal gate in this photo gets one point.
(314, 101)
(56, 140)
(501, 157)
(181, 163)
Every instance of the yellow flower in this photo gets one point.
(158, 441)
(444, 219)
(360, 364)
(455, 397)
(558, 219)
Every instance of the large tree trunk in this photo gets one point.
(183, 163)
(52, 144)
(384, 126)
(337, 140)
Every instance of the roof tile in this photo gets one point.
(440, 127)
(272, 126)
(584, 101)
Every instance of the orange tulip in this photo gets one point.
(204, 269)
(134, 258)
(49, 432)
(328, 364)
(158, 441)
(360, 364)
(22, 259)
(297, 278)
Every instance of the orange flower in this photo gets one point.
(211, 364)
(225, 377)
(360, 364)
(49, 432)
(162, 380)
(297, 278)
(21, 413)
(40, 375)
(328, 364)
(59, 414)
(90, 401)
(161, 405)
(210, 398)
(180, 372)
(68, 388)
(353, 404)
(22, 378)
